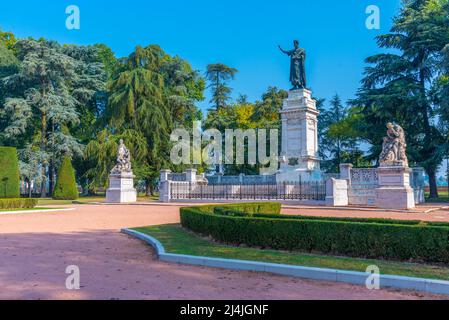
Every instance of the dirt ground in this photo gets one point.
(36, 248)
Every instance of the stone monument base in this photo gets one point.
(121, 189)
(292, 174)
(394, 191)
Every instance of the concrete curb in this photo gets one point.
(335, 275)
(35, 211)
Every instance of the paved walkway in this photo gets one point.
(36, 248)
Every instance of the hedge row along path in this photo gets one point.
(37, 248)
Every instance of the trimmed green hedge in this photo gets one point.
(251, 209)
(17, 203)
(366, 238)
(66, 188)
(9, 173)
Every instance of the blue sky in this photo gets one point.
(243, 34)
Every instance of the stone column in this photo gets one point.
(345, 171)
(164, 175)
(394, 191)
(417, 182)
(337, 192)
(299, 137)
(164, 186)
(191, 175)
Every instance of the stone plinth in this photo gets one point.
(121, 189)
(299, 138)
(394, 191)
(337, 192)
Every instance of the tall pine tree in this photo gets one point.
(398, 85)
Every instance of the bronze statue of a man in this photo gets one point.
(297, 66)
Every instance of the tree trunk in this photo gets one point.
(30, 191)
(51, 181)
(44, 182)
(432, 183)
(428, 138)
(52, 169)
(43, 143)
(447, 174)
(149, 188)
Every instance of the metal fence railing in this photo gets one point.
(313, 190)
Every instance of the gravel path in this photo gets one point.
(36, 248)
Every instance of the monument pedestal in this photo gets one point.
(299, 138)
(394, 191)
(121, 189)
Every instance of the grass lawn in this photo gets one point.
(27, 209)
(443, 196)
(88, 199)
(177, 240)
(81, 200)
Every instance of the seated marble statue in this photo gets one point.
(394, 147)
(123, 160)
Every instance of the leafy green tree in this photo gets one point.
(30, 165)
(398, 85)
(337, 135)
(184, 87)
(101, 155)
(266, 112)
(8, 39)
(54, 88)
(66, 188)
(9, 173)
(218, 75)
(40, 106)
(8, 62)
(108, 60)
(93, 67)
(138, 101)
(244, 115)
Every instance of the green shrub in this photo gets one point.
(9, 173)
(366, 238)
(66, 188)
(249, 209)
(17, 203)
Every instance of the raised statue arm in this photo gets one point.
(286, 52)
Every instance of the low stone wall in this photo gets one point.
(353, 187)
(363, 182)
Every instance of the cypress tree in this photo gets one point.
(66, 188)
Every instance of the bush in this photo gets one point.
(249, 209)
(17, 203)
(366, 238)
(66, 188)
(9, 173)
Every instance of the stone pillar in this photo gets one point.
(164, 175)
(345, 171)
(336, 192)
(191, 175)
(299, 117)
(417, 182)
(164, 191)
(164, 186)
(394, 191)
